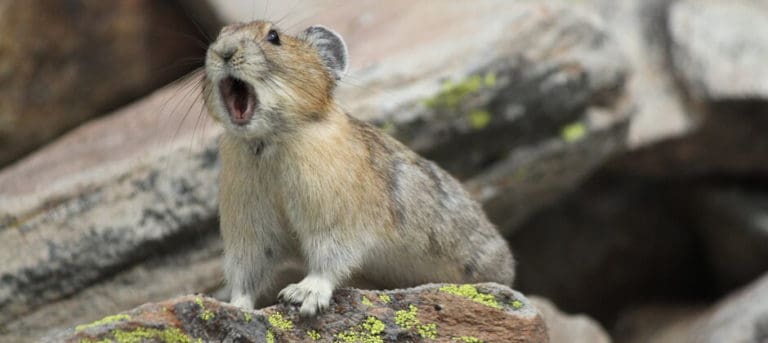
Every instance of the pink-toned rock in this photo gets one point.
(63, 62)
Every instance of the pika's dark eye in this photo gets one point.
(273, 38)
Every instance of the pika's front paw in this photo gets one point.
(313, 294)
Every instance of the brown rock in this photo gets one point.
(62, 62)
(429, 313)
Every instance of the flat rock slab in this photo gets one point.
(430, 313)
(719, 48)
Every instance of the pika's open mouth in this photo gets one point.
(240, 100)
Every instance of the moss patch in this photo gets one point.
(428, 331)
(313, 335)
(471, 293)
(573, 132)
(407, 319)
(366, 301)
(468, 339)
(105, 320)
(517, 304)
(452, 94)
(206, 314)
(385, 298)
(367, 332)
(270, 337)
(277, 320)
(169, 335)
(247, 317)
(479, 119)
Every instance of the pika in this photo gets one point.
(303, 181)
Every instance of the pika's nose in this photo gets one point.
(226, 54)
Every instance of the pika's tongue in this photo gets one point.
(240, 100)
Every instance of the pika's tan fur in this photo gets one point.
(304, 182)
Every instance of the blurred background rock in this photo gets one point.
(619, 145)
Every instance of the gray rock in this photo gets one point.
(741, 317)
(639, 27)
(719, 48)
(546, 93)
(565, 328)
(435, 312)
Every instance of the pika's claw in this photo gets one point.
(313, 294)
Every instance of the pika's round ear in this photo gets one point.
(330, 45)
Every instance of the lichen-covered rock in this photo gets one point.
(523, 122)
(430, 313)
(719, 48)
(63, 62)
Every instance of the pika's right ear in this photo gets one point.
(330, 45)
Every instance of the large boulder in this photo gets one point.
(66, 61)
(531, 105)
(459, 313)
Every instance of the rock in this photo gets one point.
(65, 62)
(733, 226)
(482, 313)
(657, 323)
(638, 26)
(609, 246)
(719, 46)
(546, 95)
(564, 328)
(741, 317)
(716, 49)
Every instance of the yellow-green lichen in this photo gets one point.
(385, 298)
(471, 293)
(407, 319)
(277, 320)
(453, 94)
(490, 79)
(270, 337)
(366, 301)
(479, 119)
(573, 132)
(313, 335)
(169, 335)
(247, 317)
(367, 332)
(105, 320)
(428, 331)
(468, 339)
(206, 314)
(517, 304)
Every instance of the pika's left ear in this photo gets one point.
(330, 45)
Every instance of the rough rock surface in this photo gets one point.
(55, 56)
(545, 96)
(719, 47)
(442, 313)
(565, 328)
(741, 317)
